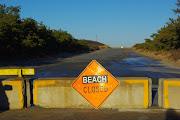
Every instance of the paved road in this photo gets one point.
(84, 114)
(119, 62)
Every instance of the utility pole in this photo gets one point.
(96, 37)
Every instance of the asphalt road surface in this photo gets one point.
(119, 62)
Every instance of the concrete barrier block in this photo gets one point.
(12, 94)
(160, 93)
(58, 93)
(133, 92)
(27, 93)
(169, 93)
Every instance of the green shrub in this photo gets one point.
(167, 38)
(28, 37)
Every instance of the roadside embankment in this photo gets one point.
(94, 45)
(172, 57)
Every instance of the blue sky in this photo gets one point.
(116, 22)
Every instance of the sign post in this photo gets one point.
(95, 84)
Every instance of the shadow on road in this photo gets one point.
(172, 115)
(37, 61)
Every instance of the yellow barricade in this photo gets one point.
(18, 72)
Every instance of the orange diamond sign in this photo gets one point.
(95, 84)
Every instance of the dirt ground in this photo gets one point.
(84, 114)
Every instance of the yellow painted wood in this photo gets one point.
(18, 72)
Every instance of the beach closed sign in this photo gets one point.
(95, 84)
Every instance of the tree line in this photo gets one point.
(27, 37)
(167, 38)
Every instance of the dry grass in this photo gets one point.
(172, 56)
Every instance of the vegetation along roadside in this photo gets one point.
(26, 38)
